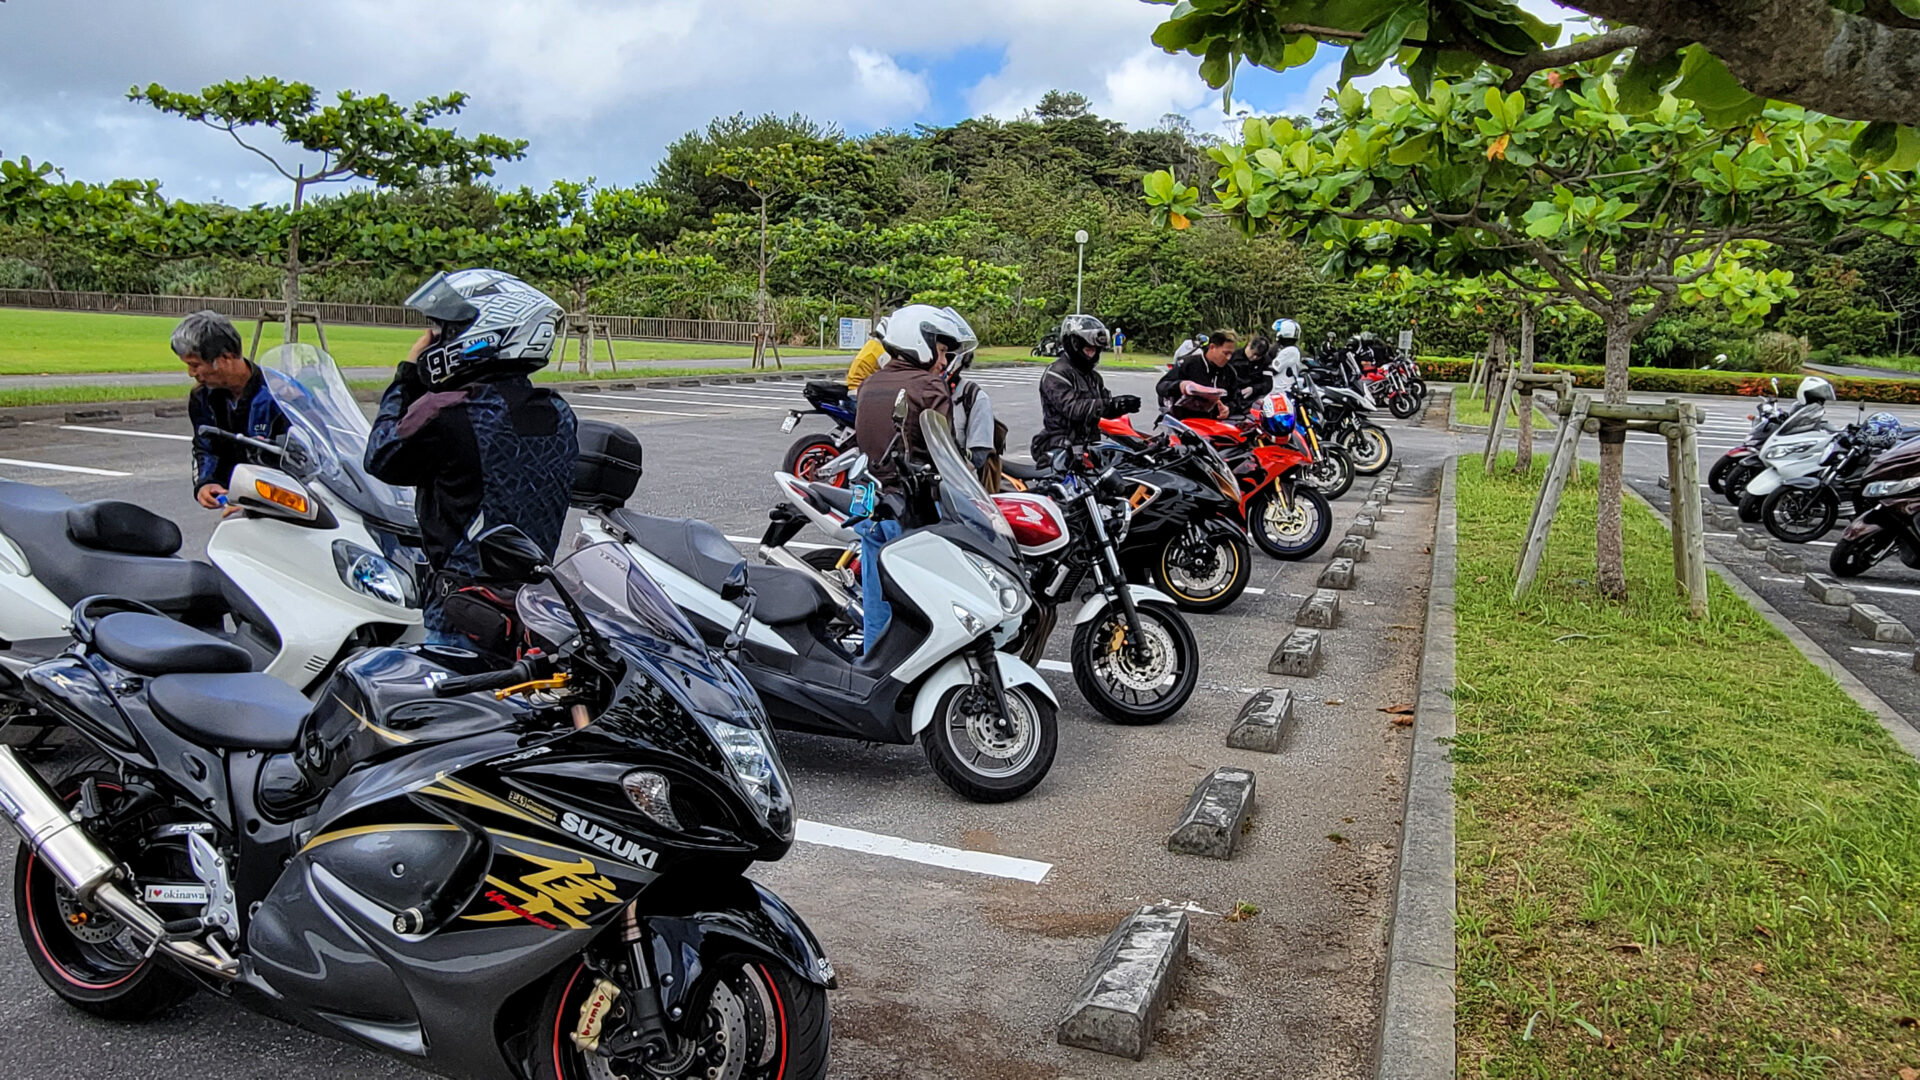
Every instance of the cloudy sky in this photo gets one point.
(598, 87)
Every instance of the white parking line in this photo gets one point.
(1055, 665)
(1890, 590)
(125, 431)
(729, 391)
(695, 397)
(51, 467)
(893, 847)
(649, 412)
(1881, 652)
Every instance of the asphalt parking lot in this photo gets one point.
(959, 931)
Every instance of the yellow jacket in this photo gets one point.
(865, 363)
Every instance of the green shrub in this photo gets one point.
(1776, 352)
(1676, 381)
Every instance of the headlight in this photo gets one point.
(370, 574)
(1881, 489)
(1775, 453)
(758, 769)
(1011, 596)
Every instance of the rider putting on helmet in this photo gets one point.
(463, 423)
(1073, 396)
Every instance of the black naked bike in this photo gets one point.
(540, 882)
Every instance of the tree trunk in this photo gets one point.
(290, 288)
(1523, 448)
(1609, 555)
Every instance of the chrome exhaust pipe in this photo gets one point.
(63, 844)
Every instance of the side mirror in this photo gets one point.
(735, 586)
(507, 554)
(1776, 385)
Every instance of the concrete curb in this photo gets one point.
(1895, 725)
(1119, 1006)
(1416, 1039)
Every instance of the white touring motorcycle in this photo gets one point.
(313, 561)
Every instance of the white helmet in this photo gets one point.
(1814, 388)
(1286, 330)
(913, 334)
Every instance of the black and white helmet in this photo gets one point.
(490, 323)
(1287, 331)
(914, 333)
(1813, 388)
(1079, 332)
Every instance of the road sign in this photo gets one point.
(853, 332)
(1406, 341)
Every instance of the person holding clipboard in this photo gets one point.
(1201, 385)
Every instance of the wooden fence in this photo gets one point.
(631, 327)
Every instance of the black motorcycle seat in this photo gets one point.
(782, 596)
(822, 390)
(689, 545)
(150, 645)
(234, 712)
(79, 550)
(837, 499)
(1021, 471)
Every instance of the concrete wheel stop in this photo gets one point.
(1785, 560)
(1752, 539)
(1320, 610)
(1362, 526)
(1828, 591)
(1210, 825)
(1119, 1006)
(1351, 547)
(1876, 625)
(1337, 575)
(1262, 722)
(1298, 654)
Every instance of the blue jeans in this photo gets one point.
(873, 604)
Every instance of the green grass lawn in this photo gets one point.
(1894, 363)
(1107, 360)
(1478, 413)
(67, 343)
(1683, 851)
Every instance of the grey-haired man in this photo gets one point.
(229, 394)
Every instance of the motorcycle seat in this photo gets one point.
(230, 712)
(840, 500)
(1021, 471)
(782, 596)
(78, 550)
(689, 545)
(150, 645)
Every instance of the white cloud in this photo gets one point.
(894, 92)
(1150, 84)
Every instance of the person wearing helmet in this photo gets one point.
(867, 360)
(464, 425)
(1286, 361)
(1073, 396)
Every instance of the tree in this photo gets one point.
(1854, 58)
(372, 138)
(1058, 105)
(1623, 217)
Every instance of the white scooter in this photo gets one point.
(985, 718)
(1796, 449)
(311, 562)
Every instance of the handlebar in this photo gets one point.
(488, 680)
(262, 445)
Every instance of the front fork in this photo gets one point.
(1114, 580)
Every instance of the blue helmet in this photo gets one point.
(1883, 427)
(1277, 424)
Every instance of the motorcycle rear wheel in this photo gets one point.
(1293, 536)
(1717, 476)
(1798, 515)
(1854, 557)
(1750, 508)
(766, 1022)
(1112, 680)
(92, 964)
(808, 454)
(1418, 388)
(1332, 475)
(1370, 448)
(978, 761)
(1231, 568)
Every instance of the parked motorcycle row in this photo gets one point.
(1796, 473)
(288, 801)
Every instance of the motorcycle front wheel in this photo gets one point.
(808, 455)
(1418, 388)
(1332, 475)
(1798, 515)
(761, 1023)
(1127, 687)
(1287, 535)
(1204, 568)
(1403, 406)
(1370, 449)
(1854, 557)
(982, 759)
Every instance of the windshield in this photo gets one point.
(1806, 417)
(962, 499)
(620, 599)
(332, 431)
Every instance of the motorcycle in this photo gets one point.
(985, 719)
(314, 560)
(1892, 487)
(806, 457)
(1804, 507)
(543, 881)
(1338, 414)
(1795, 449)
(1729, 476)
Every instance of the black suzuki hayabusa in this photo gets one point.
(539, 882)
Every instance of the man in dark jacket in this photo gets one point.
(229, 394)
(1073, 396)
(463, 424)
(1184, 389)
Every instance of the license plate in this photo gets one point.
(792, 421)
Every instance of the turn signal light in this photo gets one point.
(274, 493)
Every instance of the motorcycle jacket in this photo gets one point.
(873, 428)
(1073, 400)
(497, 451)
(1199, 370)
(250, 412)
(1254, 380)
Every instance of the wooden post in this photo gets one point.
(613, 362)
(1675, 511)
(1496, 421)
(1566, 459)
(1687, 486)
(1473, 376)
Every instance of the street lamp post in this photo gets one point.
(1080, 268)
